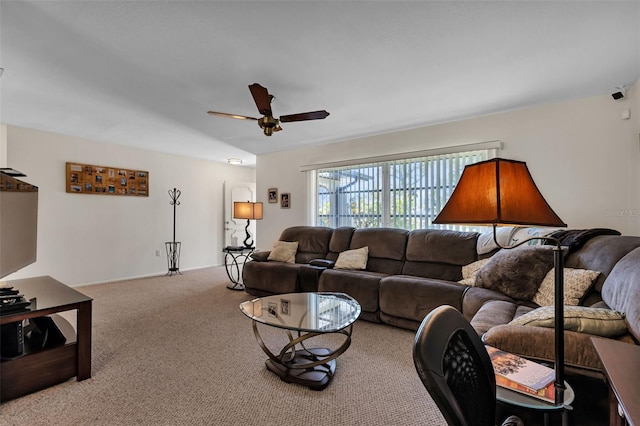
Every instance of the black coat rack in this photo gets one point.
(173, 247)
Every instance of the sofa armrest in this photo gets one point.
(309, 277)
(538, 344)
(260, 256)
(322, 263)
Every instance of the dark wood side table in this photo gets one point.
(43, 368)
(621, 362)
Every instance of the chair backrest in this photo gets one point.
(455, 367)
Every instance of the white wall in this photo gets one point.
(86, 238)
(584, 158)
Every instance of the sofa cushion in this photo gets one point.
(493, 313)
(265, 278)
(353, 259)
(602, 253)
(516, 272)
(596, 321)
(412, 298)
(470, 271)
(442, 246)
(435, 253)
(284, 251)
(386, 248)
(361, 285)
(340, 241)
(576, 284)
(621, 290)
(476, 297)
(537, 343)
(313, 241)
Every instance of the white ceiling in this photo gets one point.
(144, 73)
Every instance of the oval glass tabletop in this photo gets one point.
(310, 312)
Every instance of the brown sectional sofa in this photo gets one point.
(408, 273)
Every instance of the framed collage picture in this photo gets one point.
(104, 180)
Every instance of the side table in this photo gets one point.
(38, 369)
(511, 397)
(234, 259)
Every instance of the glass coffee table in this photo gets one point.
(304, 316)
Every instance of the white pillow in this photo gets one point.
(596, 321)
(353, 259)
(576, 284)
(469, 271)
(284, 251)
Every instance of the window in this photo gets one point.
(397, 193)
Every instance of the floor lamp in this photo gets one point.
(501, 192)
(250, 211)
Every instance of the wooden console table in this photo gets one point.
(621, 362)
(37, 370)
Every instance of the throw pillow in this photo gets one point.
(470, 271)
(353, 259)
(284, 251)
(576, 284)
(516, 272)
(597, 321)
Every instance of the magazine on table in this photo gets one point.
(522, 375)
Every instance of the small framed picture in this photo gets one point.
(273, 309)
(272, 195)
(284, 306)
(285, 200)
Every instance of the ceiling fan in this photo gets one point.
(268, 123)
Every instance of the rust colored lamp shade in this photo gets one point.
(250, 211)
(498, 192)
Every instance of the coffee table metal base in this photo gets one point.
(311, 367)
(315, 378)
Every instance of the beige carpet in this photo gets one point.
(178, 351)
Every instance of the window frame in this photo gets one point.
(386, 214)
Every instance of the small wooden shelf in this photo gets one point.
(36, 370)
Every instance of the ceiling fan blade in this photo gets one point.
(314, 115)
(262, 98)
(224, 114)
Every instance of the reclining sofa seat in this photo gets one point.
(263, 278)
(434, 261)
(386, 257)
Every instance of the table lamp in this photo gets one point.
(502, 192)
(250, 211)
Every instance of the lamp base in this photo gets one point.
(248, 242)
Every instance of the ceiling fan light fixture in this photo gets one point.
(268, 123)
(234, 161)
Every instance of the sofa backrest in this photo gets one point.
(601, 254)
(340, 241)
(386, 248)
(440, 254)
(313, 241)
(621, 290)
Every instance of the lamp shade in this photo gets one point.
(247, 210)
(498, 192)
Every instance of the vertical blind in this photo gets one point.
(406, 193)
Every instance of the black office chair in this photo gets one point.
(455, 367)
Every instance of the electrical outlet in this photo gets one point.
(158, 253)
